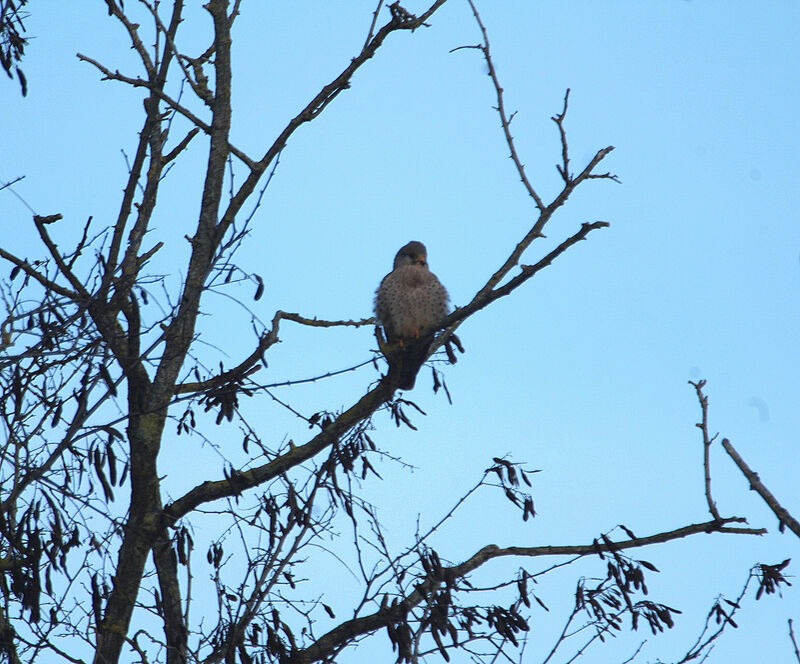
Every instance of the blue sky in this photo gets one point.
(583, 372)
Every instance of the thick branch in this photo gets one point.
(242, 370)
(242, 480)
(76, 283)
(757, 485)
(7, 634)
(206, 239)
(175, 631)
(715, 526)
(146, 405)
(180, 147)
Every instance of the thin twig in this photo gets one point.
(137, 82)
(10, 187)
(505, 120)
(703, 426)
(28, 269)
(720, 617)
(559, 120)
(372, 25)
(562, 637)
(316, 322)
(313, 379)
(170, 43)
(635, 653)
(11, 183)
(794, 642)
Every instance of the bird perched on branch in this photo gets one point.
(409, 301)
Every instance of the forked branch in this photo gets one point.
(490, 291)
(388, 614)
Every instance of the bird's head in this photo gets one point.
(414, 253)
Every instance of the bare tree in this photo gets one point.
(102, 355)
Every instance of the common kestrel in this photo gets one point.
(409, 300)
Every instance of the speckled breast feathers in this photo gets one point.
(410, 298)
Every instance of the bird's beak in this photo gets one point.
(419, 260)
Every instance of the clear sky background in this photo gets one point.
(583, 372)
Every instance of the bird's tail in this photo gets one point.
(411, 361)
